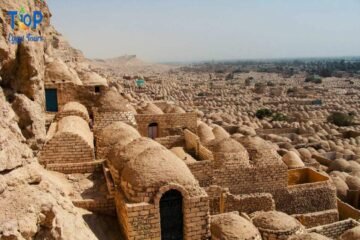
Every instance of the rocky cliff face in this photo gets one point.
(32, 206)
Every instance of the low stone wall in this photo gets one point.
(104, 206)
(334, 230)
(247, 203)
(171, 141)
(310, 220)
(70, 168)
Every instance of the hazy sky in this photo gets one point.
(192, 30)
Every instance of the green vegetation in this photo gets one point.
(267, 113)
(263, 113)
(313, 79)
(341, 119)
(279, 117)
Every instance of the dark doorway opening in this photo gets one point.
(51, 100)
(171, 216)
(153, 130)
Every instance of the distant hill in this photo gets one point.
(129, 64)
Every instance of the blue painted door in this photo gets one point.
(51, 100)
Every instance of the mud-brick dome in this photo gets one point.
(74, 109)
(292, 160)
(150, 108)
(154, 168)
(260, 151)
(57, 70)
(69, 140)
(228, 149)
(117, 132)
(227, 145)
(112, 100)
(78, 126)
(232, 226)
(205, 132)
(277, 224)
(120, 154)
(220, 133)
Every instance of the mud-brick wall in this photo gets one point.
(204, 153)
(168, 124)
(334, 230)
(142, 220)
(138, 220)
(202, 171)
(103, 118)
(192, 143)
(68, 92)
(104, 206)
(191, 140)
(66, 148)
(70, 168)
(251, 179)
(62, 114)
(318, 218)
(306, 198)
(240, 179)
(347, 211)
(247, 203)
(215, 193)
(171, 141)
(196, 218)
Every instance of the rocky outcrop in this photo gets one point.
(33, 206)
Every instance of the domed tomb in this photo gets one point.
(73, 109)
(277, 224)
(71, 142)
(233, 226)
(153, 168)
(115, 133)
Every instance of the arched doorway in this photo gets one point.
(153, 130)
(171, 216)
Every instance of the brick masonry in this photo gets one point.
(103, 206)
(169, 124)
(142, 220)
(66, 148)
(334, 230)
(103, 118)
(315, 219)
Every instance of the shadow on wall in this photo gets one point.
(104, 227)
